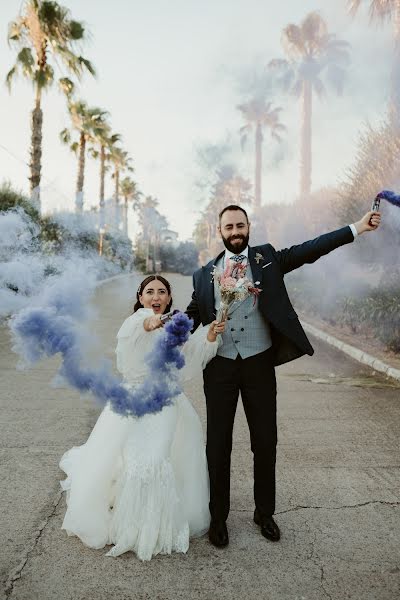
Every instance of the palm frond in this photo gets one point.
(314, 29)
(87, 64)
(76, 30)
(14, 31)
(353, 6)
(243, 141)
(381, 9)
(66, 86)
(278, 63)
(293, 41)
(44, 77)
(319, 87)
(65, 136)
(276, 136)
(25, 58)
(12, 73)
(336, 76)
(45, 32)
(378, 9)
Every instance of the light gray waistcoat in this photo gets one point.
(246, 332)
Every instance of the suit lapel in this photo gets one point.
(209, 297)
(256, 267)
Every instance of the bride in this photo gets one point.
(141, 484)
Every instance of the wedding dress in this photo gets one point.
(141, 484)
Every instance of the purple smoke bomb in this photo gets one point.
(45, 331)
(390, 196)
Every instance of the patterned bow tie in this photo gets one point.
(238, 258)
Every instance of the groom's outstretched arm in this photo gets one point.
(308, 252)
(192, 309)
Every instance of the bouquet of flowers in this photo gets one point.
(234, 286)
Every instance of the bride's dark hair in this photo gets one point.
(143, 285)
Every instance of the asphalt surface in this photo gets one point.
(338, 490)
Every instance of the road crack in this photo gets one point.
(361, 504)
(327, 594)
(17, 573)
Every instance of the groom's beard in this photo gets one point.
(236, 248)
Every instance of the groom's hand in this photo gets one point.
(369, 222)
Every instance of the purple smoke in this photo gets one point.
(390, 197)
(45, 331)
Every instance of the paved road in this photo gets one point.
(338, 489)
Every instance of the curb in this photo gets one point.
(359, 355)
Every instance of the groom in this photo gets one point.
(257, 337)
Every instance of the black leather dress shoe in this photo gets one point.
(269, 528)
(218, 534)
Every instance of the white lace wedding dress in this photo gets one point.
(141, 484)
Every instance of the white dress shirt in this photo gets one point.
(229, 254)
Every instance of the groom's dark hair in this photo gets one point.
(233, 207)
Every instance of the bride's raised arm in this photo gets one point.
(134, 339)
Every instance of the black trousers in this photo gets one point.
(254, 378)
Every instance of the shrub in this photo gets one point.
(10, 198)
(368, 311)
(183, 258)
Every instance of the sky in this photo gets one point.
(170, 72)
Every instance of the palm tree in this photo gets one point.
(152, 223)
(382, 10)
(87, 122)
(130, 191)
(103, 141)
(311, 51)
(230, 188)
(259, 115)
(44, 33)
(121, 162)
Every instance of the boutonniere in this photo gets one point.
(258, 257)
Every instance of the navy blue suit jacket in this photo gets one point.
(288, 338)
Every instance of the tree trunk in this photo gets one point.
(208, 236)
(81, 174)
(102, 177)
(305, 141)
(125, 217)
(116, 199)
(257, 182)
(394, 106)
(36, 152)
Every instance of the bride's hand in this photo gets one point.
(152, 323)
(216, 327)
